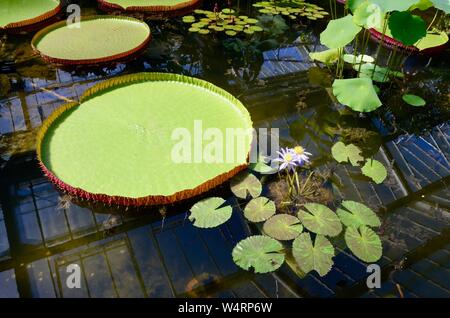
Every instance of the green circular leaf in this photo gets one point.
(374, 170)
(230, 32)
(346, 153)
(309, 257)
(414, 100)
(261, 252)
(244, 184)
(208, 213)
(283, 227)
(339, 32)
(259, 209)
(355, 214)
(357, 93)
(407, 28)
(319, 219)
(364, 243)
(203, 31)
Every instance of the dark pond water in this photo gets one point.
(157, 252)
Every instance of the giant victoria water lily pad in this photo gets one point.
(164, 7)
(131, 140)
(16, 14)
(260, 252)
(97, 39)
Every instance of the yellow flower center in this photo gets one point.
(299, 150)
(288, 157)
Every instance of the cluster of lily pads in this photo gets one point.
(224, 21)
(392, 19)
(292, 9)
(310, 227)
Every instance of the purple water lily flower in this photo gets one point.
(287, 159)
(301, 156)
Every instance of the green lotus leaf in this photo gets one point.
(244, 184)
(240, 22)
(219, 29)
(381, 74)
(364, 243)
(339, 32)
(198, 25)
(354, 4)
(407, 28)
(283, 227)
(319, 219)
(443, 5)
(261, 4)
(328, 57)
(260, 252)
(309, 256)
(374, 170)
(199, 11)
(368, 15)
(414, 100)
(394, 5)
(265, 11)
(208, 213)
(357, 93)
(310, 17)
(355, 214)
(346, 153)
(422, 5)
(432, 39)
(259, 209)
(357, 59)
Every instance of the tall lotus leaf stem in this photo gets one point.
(434, 19)
(385, 25)
(366, 38)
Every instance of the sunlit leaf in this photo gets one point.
(394, 5)
(319, 219)
(346, 153)
(407, 28)
(414, 100)
(374, 170)
(327, 57)
(309, 256)
(283, 227)
(355, 214)
(260, 252)
(364, 243)
(423, 5)
(354, 4)
(357, 93)
(358, 59)
(339, 32)
(208, 213)
(432, 39)
(244, 184)
(368, 15)
(259, 209)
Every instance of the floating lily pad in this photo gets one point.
(228, 11)
(319, 219)
(230, 32)
(355, 214)
(93, 42)
(357, 93)
(330, 56)
(339, 32)
(260, 252)
(364, 243)
(84, 154)
(245, 184)
(283, 227)
(259, 209)
(208, 213)
(262, 167)
(407, 28)
(317, 256)
(346, 153)
(374, 170)
(414, 100)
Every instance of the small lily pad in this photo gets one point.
(355, 214)
(208, 213)
(346, 153)
(414, 100)
(374, 170)
(309, 257)
(260, 252)
(320, 219)
(230, 32)
(283, 227)
(244, 184)
(364, 243)
(259, 209)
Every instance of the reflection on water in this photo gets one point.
(149, 254)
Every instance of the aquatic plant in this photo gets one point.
(210, 212)
(225, 21)
(246, 184)
(292, 9)
(414, 100)
(259, 209)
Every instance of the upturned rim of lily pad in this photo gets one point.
(175, 10)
